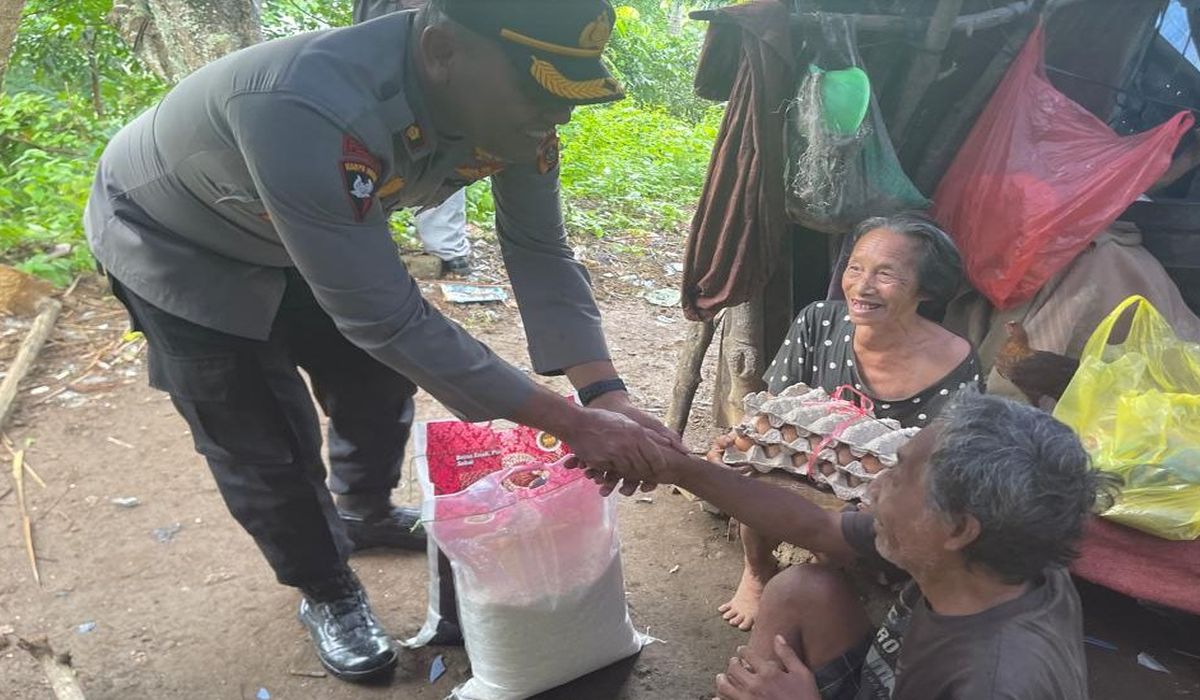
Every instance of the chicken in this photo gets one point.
(1037, 373)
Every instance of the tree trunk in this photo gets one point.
(10, 18)
(175, 37)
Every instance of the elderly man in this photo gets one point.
(243, 223)
(984, 509)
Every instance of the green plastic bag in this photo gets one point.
(1136, 407)
(840, 165)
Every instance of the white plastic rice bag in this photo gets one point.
(537, 567)
(449, 456)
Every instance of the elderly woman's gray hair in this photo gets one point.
(939, 265)
(1023, 475)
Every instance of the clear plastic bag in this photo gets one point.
(537, 567)
(1136, 407)
(835, 178)
(451, 455)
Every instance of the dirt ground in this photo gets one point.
(146, 613)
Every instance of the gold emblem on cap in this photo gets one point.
(556, 83)
(413, 133)
(597, 33)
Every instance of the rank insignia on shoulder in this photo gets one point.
(392, 186)
(548, 154)
(414, 138)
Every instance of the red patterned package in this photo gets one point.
(449, 456)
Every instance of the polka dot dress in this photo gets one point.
(819, 351)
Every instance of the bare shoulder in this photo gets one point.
(950, 349)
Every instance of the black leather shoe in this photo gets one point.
(460, 266)
(399, 528)
(350, 641)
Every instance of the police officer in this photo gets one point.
(243, 223)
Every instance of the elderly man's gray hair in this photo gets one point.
(1023, 475)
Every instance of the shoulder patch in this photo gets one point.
(353, 148)
(360, 180)
(360, 173)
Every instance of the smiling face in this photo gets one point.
(881, 283)
(484, 99)
(908, 531)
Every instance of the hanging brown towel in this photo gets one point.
(739, 224)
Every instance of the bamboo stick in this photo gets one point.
(27, 355)
(56, 667)
(18, 473)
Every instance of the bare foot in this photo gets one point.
(741, 610)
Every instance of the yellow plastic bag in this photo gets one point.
(1136, 407)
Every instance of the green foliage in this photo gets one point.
(71, 85)
(48, 150)
(654, 56)
(287, 17)
(629, 168)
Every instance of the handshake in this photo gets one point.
(620, 446)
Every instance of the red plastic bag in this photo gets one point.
(1038, 178)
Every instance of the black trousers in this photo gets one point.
(252, 418)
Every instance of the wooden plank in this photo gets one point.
(897, 24)
(27, 355)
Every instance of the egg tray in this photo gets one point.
(781, 432)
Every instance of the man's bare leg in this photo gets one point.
(816, 610)
(742, 610)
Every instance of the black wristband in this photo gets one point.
(595, 390)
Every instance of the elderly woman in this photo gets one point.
(875, 341)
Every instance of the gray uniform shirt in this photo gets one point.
(292, 153)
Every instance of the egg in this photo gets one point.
(844, 456)
(772, 450)
(872, 464)
(761, 423)
(799, 460)
(789, 432)
(853, 481)
(743, 443)
(828, 469)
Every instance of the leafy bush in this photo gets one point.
(625, 167)
(655, 61)
(48, 150)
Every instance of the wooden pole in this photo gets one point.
(740, 367)
(952, 130)
(27, 355)
(896, 24)
(924, 67)
(687, 373)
